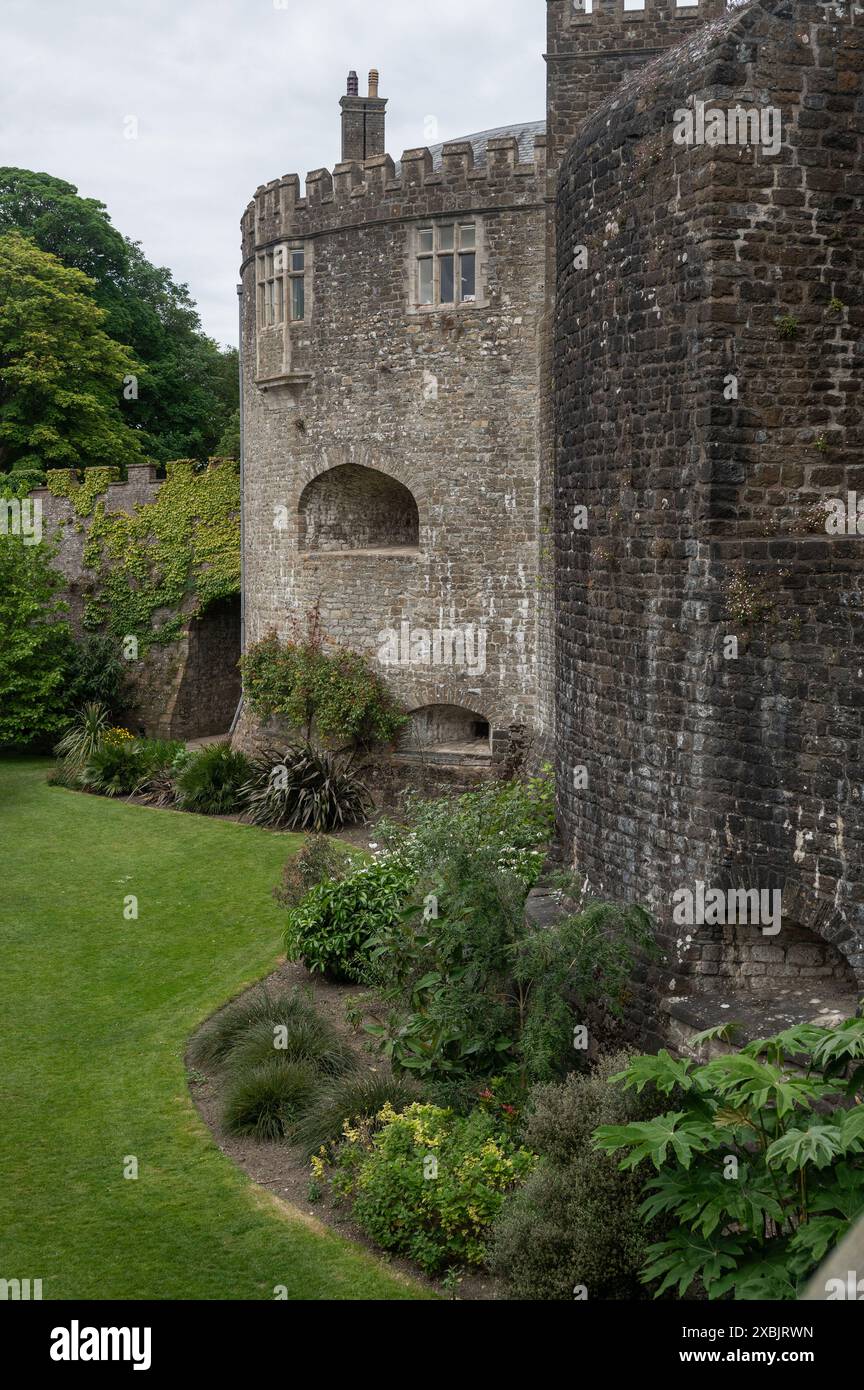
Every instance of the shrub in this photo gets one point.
(469, 989)
(427, 1184)
(303, 789)
(320, 860)
(305, 1037)
(162, 761)
(506, 822)
(330, 930)
(265, 1101)
(213, 1045)
(333, 691)
(356, 1098)
(211, 781)
(586, 956)
(61, 776)
(96, 674)
(759, 1166)
(442, 971)
(82, 740)
(114, 769)
(576, 1221)
(35, 647)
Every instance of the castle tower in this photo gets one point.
(363, 121)
(592, 45)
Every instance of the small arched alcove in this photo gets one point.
(446, 728)
(351, 508)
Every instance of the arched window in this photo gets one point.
(354, 508)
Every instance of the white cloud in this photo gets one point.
(229, 94)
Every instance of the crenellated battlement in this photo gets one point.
(605, 17)
(423, 183)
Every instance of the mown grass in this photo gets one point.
(95, 1013)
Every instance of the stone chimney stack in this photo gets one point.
(363, 120)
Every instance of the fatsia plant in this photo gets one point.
(760, 1164)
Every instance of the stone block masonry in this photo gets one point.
(708, 357)
(392, 445)
(397, 407)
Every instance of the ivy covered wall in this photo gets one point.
(155, 564)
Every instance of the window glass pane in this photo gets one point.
(298, 297)
(269, 263)
(426, 239)
(468, 264)
(298, 260)
(270, 299)
(467, 236)
(446, 263)
(426, 281)
(280, 300)
(445, 238)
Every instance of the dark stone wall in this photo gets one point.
(210, 687)
(587, 56)
(707, 264)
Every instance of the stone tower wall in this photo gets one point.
(442, 401)
(711, 270)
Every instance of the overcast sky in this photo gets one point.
(229, 94)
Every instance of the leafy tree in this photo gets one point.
(60, 374)
(191, 389)
(760, 1165)
(228, 446)
(36, 645)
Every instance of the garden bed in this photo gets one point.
(284, 1169)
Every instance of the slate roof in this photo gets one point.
(524, 134)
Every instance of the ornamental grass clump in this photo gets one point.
(84, 738)
(305, 788)
(264, 1101)
(211, 781)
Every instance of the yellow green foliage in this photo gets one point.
(427, 1183)
(160, 565)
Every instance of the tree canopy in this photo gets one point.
(61, 375)
(188, 390)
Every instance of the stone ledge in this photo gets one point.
(758, 1015)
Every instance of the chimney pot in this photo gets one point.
(353, 84)
(373, 82)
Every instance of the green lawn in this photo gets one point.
(95, 1012)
